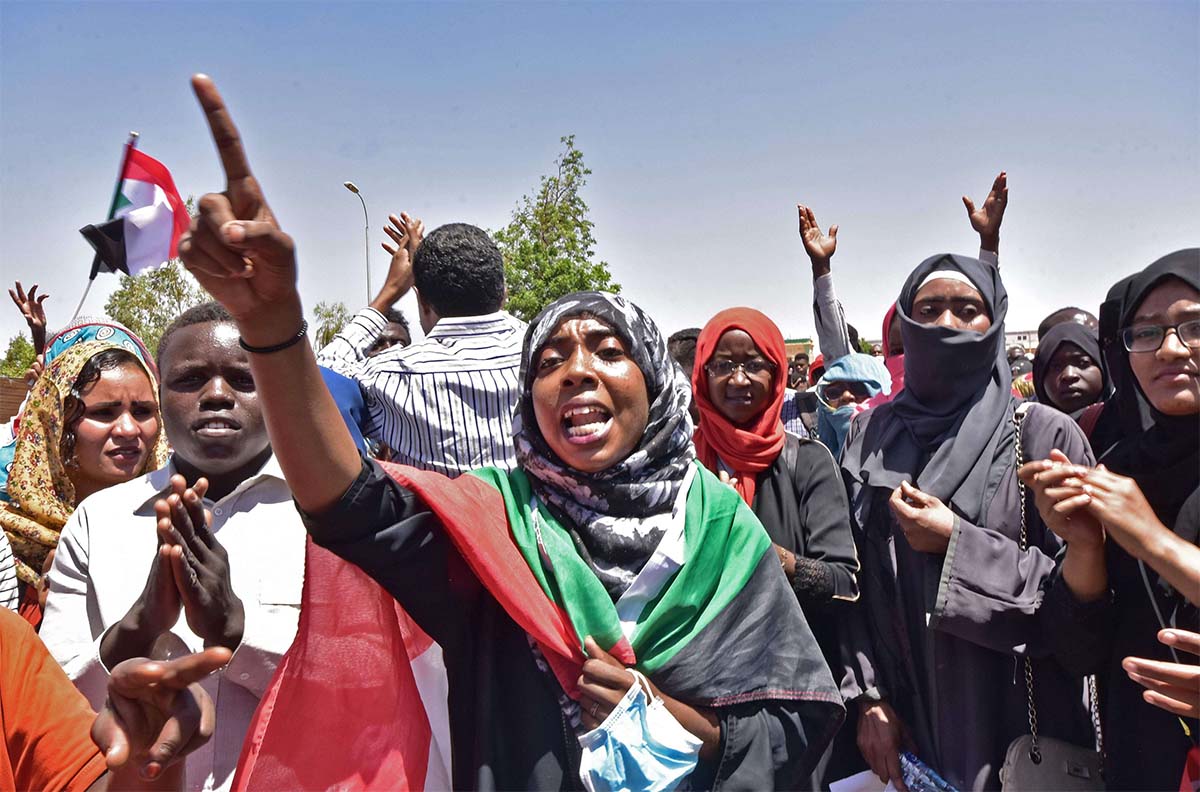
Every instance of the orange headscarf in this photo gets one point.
(749, 450)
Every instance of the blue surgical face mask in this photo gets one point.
(639, 745)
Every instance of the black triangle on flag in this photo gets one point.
(108, 240)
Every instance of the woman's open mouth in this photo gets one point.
(586, 424)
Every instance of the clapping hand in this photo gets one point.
(986, 219)
(1060, 499)
(819, 247)
(200, 566)
(156, 714)
(235, 247)
(30, 306)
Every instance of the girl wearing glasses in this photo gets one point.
(1128, 587)
(791, 484)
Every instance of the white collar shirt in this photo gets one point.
(104, 557)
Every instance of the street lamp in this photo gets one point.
(352, 187)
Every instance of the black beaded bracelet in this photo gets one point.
(276, 347)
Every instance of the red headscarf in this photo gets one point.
(752, 449)
(894, 363)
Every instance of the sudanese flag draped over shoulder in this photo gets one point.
(708, 637)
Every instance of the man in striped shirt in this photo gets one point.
(444, 403)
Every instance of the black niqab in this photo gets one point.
(950, 428)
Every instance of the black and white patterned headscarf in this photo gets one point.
(610, 514)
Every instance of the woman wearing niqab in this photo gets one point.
(950, 600)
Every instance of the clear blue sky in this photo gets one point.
(704, 124)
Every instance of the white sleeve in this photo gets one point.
(67, 629)
(349, 347)
(9, 596)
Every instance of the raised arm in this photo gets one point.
(832, 336)
(238, 252)
(34, 313)
(986, 219)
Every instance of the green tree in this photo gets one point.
(18, 358)
(149, 301)
(331, 318)
(548, 245)
(146, 303)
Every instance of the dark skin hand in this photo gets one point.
(881, 737)
(155, 715)
(30, 306)
(190, 573)
(604, 682)
(986, 219)
(200, 566)
(406, 234)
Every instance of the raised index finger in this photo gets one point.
(224, 131)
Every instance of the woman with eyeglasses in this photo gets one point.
(791, 484)
(1127, 594)
(950, 592)
(845, 390)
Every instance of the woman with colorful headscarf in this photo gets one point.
(950, 595)
(91, 421)
(845, 390)
(609, 548)
(1128, 592)
(792, 484)
(77, 332)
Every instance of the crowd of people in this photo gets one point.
(579, 553)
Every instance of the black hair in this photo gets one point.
(681, 346)
(459, 271)
(796, 357)
(1067, 314)
(852, 333)
(73, 406)
(203, 313)
(396, 316)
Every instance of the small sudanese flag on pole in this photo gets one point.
(146, 220)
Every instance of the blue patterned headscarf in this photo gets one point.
(87, 328)
(84, 328)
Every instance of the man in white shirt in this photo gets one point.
(444, 403)
(126, 583)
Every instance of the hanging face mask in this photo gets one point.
(639, 746)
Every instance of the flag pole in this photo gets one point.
(112, 210)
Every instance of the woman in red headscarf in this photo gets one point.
(792, 484)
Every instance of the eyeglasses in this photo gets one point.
(1148, 338)
(724, 367)
(835, 390)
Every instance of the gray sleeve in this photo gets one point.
(991, 591)
(833, 338)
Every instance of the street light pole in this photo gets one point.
(352, 187)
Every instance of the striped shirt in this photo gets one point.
(445, 403)
(8, 575)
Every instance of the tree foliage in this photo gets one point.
(331, 318)
(18, 358)
(148, 302)
(548, 245)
